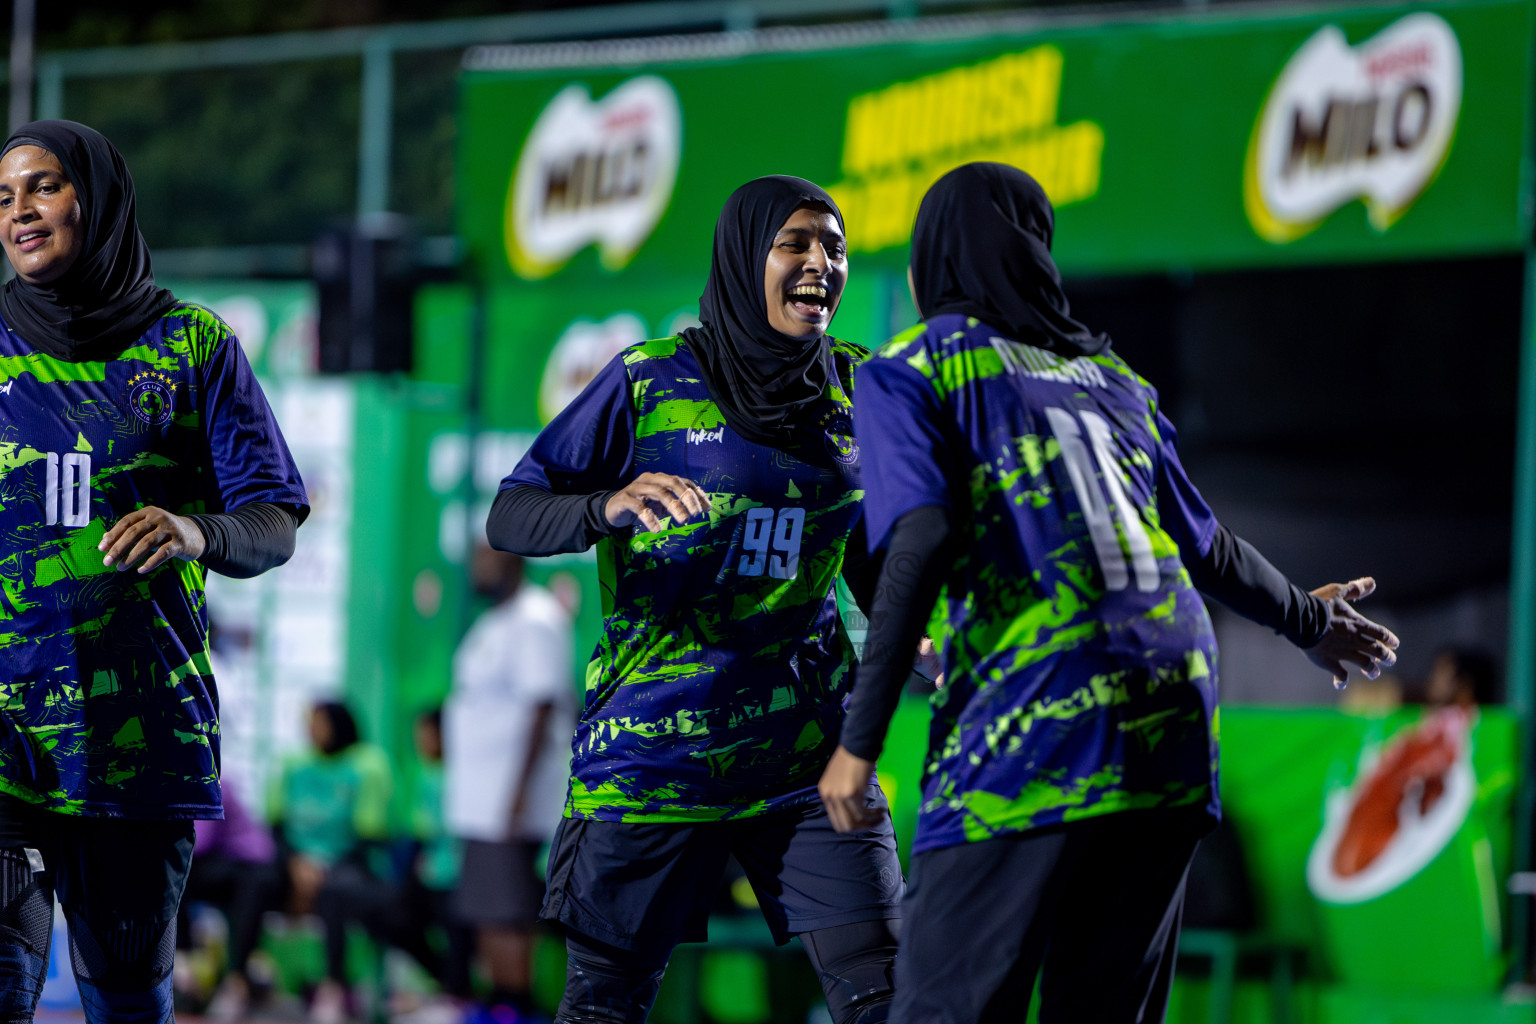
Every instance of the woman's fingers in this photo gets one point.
(129, 538)
(835, 814)
(1381, 653)
(1377, 633)
(163, 550)
(651, 496)
(647, 518)
(149, 535)
(112, 542)
(148, 543)
(851, 813)
(1360, 588)
(685, 493)
(844, 790)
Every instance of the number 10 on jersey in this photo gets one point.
(771, 542)
(67, 490)
(1087, 464)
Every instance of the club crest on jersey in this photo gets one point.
(150, 397)
(840, 440)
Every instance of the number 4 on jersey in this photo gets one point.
(1086, 465)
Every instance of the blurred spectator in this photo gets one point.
(407, 913)
(1373, 697)
(234, 870)
(330, 808)
(509, 721)
(438, 854)
(1461, 677)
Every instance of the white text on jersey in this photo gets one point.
(1029, 361)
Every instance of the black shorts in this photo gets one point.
(499, 884)
(1092, 906)
(642, 886)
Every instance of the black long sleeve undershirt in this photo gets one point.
(911, 575)
(1232, 571)
(861, 571)
(248, 541)
(529, 521)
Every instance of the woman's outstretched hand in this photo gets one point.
(1351, 638)
(845, 790)
(653, 495)
(151, 535)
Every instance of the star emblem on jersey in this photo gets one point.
(150, 396)
(841, 442)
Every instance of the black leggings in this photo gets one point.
(854, 962)
(119, 882)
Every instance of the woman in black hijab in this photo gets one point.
(142, 453)
(717, 473)
(1018, 463)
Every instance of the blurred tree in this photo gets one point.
(268, 154)
(112, 23)
(240, 156)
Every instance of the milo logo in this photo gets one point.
(583, 349)
(1373, 122)
(593, 172)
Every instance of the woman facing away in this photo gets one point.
(717, 473)
(137, 452)
(1014, 460)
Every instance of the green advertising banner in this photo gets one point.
(1207, 141)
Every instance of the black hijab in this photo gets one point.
(108, 298)
(758, 377)
(982, 247)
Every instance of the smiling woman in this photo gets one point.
(143, 454)
(718, 475)
(807, 267)
(43, 235)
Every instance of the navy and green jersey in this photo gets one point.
(716, 690)
(1080, 660)
(327, 804)
(107, 703)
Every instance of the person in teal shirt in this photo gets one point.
(330, 812)
(408, 912)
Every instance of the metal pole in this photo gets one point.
(1520, 663)
(373, 141)
(474, 423)
(1521, 673)
(22, 34)
(50, 88)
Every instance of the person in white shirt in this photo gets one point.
(507, 727)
